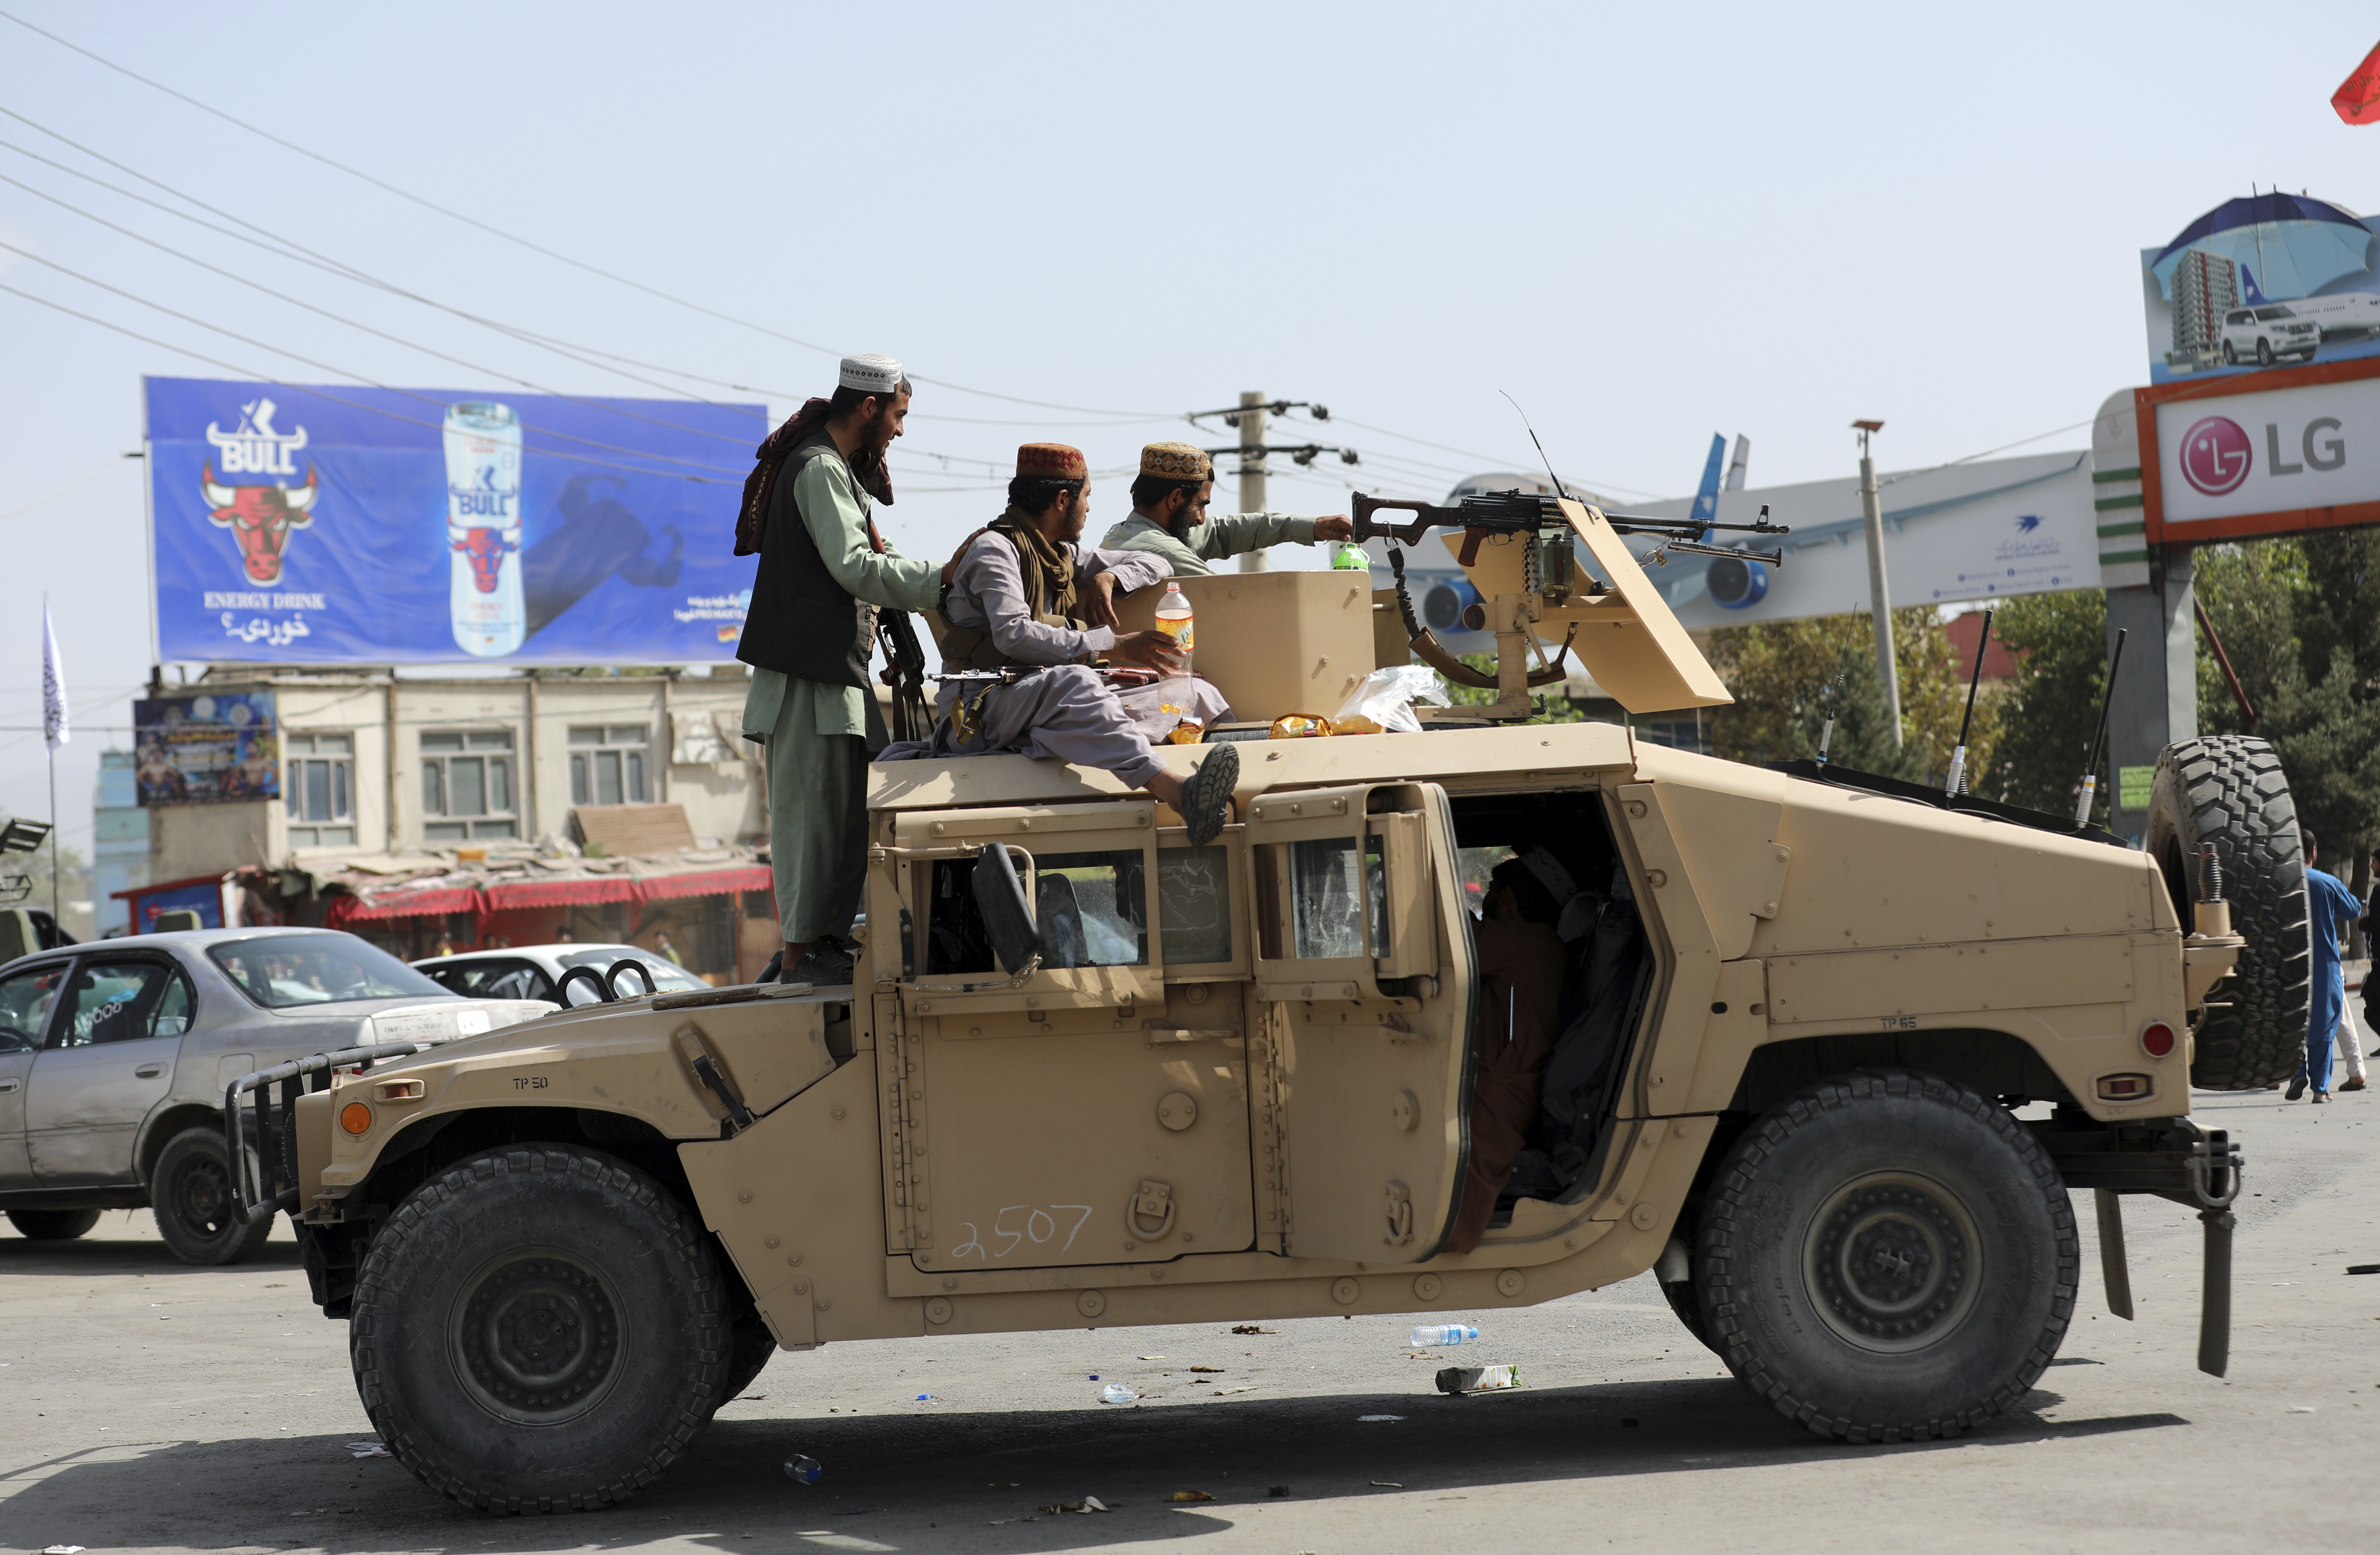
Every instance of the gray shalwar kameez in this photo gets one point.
(1061, 712)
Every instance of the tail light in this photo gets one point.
(2157, 1038)
(2124, 1087)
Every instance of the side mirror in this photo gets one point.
(1007, 916)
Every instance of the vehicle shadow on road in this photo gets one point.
(917, 1479)
(97, 1256)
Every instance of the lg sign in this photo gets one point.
(2216, 456)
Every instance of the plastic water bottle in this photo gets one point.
(804, 1471)
(1350, 558)
(1173, 618)
(1441, 1336)
(484, 528)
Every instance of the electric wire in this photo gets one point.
(523, 242)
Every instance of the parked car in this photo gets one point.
(114, 1058)
(2268, 332)
(536, 972)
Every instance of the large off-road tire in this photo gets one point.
(53, 1225)
(1888, 1256)
(538, 1328)
(2229, 790)
(191, 1197)
(1686, 1301)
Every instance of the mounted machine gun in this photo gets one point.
(1521, 551)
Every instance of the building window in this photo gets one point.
(321, 789)
(607, 763)
(467, 786)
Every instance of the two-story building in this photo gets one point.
(425, 812)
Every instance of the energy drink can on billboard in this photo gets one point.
(483, 527)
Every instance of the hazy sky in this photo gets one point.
(1647, 224)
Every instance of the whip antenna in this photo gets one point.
(1541, 448)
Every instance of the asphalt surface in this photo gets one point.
(149, 1406)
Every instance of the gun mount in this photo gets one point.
(1521, 551)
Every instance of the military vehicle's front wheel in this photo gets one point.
(538, 1328)
(1888, 1256)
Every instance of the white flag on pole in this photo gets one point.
(53, 685)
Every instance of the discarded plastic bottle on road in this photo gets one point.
(1440, 1337)
(804, 1471)
(1116, 1392)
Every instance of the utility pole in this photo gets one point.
(1879, 591)
(1251, 468)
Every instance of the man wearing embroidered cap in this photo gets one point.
(1169, 519)
(809, 634)
(1029, 601)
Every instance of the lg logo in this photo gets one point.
(2216, 454)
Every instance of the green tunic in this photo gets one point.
(818, 736)
(1224, 534)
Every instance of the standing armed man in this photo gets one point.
(1169, 516)
(808, 634)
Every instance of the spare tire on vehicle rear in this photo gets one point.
(2229, 790)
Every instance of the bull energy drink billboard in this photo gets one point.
(327, 524)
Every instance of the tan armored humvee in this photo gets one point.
(1235, 1082)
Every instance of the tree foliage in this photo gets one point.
(1787, 676)
(2050, 706)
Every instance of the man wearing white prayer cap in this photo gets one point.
(809, 634)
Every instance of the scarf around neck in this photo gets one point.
(760, 486)
(1048, 567)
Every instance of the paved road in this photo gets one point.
(149, 1407)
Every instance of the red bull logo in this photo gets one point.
(486, 551)
(260, 518)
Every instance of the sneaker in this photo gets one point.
(2297, 1089)
(1207, 793)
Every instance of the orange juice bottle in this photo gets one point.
(1174, 617)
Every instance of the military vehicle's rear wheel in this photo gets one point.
(53, 1225)
(1888, 1256)
(192, 1199)
(538, 1328)
(2229, 790)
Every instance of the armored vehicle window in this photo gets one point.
(1194, 903)
(1327, 878)
(1092, 908)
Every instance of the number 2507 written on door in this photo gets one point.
(1040, 1224)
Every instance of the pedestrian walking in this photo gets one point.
(2327, 901)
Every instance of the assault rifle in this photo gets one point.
(1526, 512)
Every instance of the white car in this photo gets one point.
(2268, 332)
(536, 972)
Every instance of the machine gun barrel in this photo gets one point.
(1521, 513)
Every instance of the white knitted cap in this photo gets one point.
(872, 373)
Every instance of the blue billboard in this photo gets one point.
(325, 525)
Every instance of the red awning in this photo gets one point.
(418, 904)
(505, 895)
(706, 883)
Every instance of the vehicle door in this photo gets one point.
(1365, 970)
(27, 1001)
(1094, 1110)
(109, 1062)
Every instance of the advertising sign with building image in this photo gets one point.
(206, 749)
(2275, 280)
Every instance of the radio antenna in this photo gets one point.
(1541, 448)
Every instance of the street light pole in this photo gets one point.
(1879, 591)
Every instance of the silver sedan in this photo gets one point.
(114, 1058)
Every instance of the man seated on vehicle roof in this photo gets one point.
(1026, 599)
(1169, 519)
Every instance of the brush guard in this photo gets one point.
(276, 1130)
